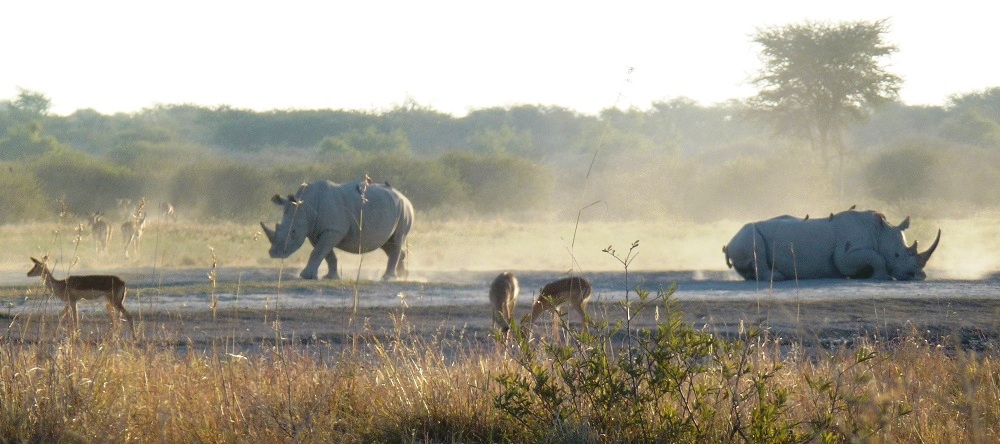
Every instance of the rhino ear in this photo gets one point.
(904, 224)
(278, 200)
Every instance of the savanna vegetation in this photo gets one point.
(677, 160)
(616, 383)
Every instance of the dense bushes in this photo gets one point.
(21, 199)
(901, 174)
(934, 177)
(457, 181)
(84, 183)
(206, 186)
(226, 190)
(677, 159)
(755, 182)
(499, 184)
(425, 181)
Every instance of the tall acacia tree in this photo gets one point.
(818, 78)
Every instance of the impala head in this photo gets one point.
(39, 268)
(288, 235)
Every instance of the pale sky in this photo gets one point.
(453, 56)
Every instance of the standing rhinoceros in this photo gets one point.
(851, 244)
(357, 217)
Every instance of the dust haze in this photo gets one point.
(681, 209)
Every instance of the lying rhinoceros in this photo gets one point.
(851, 244)
(357, 217)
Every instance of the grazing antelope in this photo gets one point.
(132, 228)
(167, 211)
(574, 290)
(74, 288)
(101, 231)
(503, 296)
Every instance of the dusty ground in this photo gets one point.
(259, 311)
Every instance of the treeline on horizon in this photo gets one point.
(676, 159)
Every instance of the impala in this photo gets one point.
(503, 296)
(167, 211)
(574, 290)
(101, 231)
(133, 227)
(74, 288)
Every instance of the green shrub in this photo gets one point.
(22, 199)
(226, 190)
(425, 182)
(903, 173)
(675, 383)
(84, 183)
(500, 183)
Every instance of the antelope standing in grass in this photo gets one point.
(74, 288)
(503, 297)
(132, 228)
(167, 212)
(101, 231)
(574, 290)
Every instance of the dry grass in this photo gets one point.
(393, 386)
(399, 388)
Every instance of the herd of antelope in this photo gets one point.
(573, 291)
(132, 228)
(75, 288)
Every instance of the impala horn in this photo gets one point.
(269, 232)
(922, 258)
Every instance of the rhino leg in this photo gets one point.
(396, 265)
(401, 267)
(748, 254)
(331, 265)
(860, 263)
(322, 250)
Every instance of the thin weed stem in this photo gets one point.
(593, 160)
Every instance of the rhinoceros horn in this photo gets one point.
(922, 258)
(269, 232)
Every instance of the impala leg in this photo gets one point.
(117, 301)
(581, 307)
(510, 314)
(114, 307)
(62, 316)
(128, 317)
(76, 316)
(498, 319)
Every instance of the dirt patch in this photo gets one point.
(972, 324)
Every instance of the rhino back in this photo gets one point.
(369, 224)
(801, 248)
(859, 228)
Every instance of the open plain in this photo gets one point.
(201, 286)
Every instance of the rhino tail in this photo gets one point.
(725, 250)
